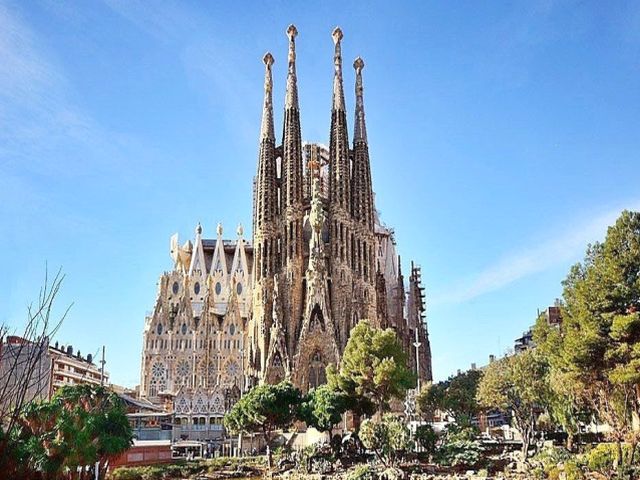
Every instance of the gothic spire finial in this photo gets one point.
(267, 129)
(360, 128)
(338, 92)
(291, 98)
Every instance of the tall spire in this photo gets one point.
(291, 98)
(291, 135)
(267, 130)
(265, 187)
(339, 185)
(362, 191)
(360, 129)
(338, 92)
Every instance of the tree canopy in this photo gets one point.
(455, 397)
(595, 354)
(79, 426)
(322, 408)
(519, 385)
(264, 408)
(373, 369)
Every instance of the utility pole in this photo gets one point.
(102, 362)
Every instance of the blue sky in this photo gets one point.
(504, 138)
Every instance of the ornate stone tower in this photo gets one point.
(341, 233)
(317, 249)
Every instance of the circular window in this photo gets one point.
(157, 370)
(176, 287)
(196, 288)
(218, 288)
(184, 328)
(239, 288)
(159, 329)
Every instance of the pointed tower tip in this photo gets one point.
(219, 229)
(358, 64)
(292, 32)
(198, 229)
(337, 35)
(268, 59)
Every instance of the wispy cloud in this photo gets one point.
(210, 58)
(567, 244)
(39, 116)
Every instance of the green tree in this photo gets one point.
(427, 438)
(388, 438)
(456, 397)
(373, 369)
(518, 385)
(322, 408)
(265, 408)
(566, 406)
(600, 333)
(79, 426)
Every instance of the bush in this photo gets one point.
(362, 472)
(603, 456)
(572, 471)
(426, 437)
(459, 448)
(549, 458)
(387, 438)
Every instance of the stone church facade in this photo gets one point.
(235, 313)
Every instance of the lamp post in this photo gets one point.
(417, 344)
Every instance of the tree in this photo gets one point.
(80, 426)
(387, 437)
(93, 423)
(600, 333)
(427, 438)
(372, 371)
(24, 371)
(456, 397)
(519, 385)
(565, 403)
(264, 408)
(322, 408)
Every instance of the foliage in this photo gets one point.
(24, 369)
(388, 438)
(603, 457)
(264, 408)
(597, 349)
(322, 408)
(459, 448)
(456, 397)
(519, 385)
(427, 438)
(79, 426)
(372, 371)
(362, 472)
(565, 404)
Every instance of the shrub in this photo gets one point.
(572, 471)
(603, 456)
(362, 472)
(387, 438)
(459, 448)
(550, 457)
(426, 438)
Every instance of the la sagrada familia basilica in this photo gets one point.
(235, 313)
